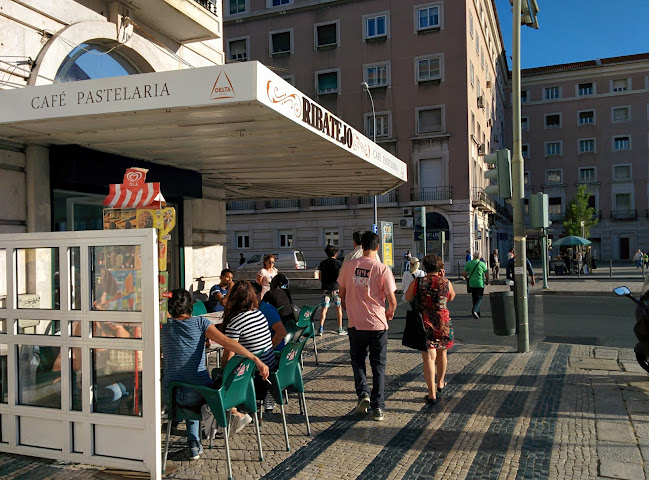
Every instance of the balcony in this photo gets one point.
(185, 21)
(284, 203)
(480, 199)
(555, 216)
(235, 205)
(430, 193)
(624, 214)
(328, 201)
(390, 197)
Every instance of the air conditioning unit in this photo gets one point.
(488, 83)
(490, 122)
(406, 222)
(480, 101)
(407, 212)
(482, 149)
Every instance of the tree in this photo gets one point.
(578, 211)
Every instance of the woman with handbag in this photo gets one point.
(431, 294)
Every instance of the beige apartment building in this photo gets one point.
(436, 72)
(588, 123)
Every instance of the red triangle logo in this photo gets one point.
(222, 87)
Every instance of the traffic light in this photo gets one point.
(538, 208)
(502, 173)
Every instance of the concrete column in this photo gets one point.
(38, 191)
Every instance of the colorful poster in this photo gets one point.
(119, 218)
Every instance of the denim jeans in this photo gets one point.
(189, 398)
(376, 341)
(476, 295)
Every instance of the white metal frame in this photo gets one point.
(147, 426)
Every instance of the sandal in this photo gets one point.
(431, 401)
(441, 389)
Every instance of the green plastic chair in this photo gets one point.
(199, 308)
(289, 374)
(305, 320)
(236, 390)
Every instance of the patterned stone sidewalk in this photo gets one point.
(559, 411)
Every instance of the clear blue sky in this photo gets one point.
(577, 30)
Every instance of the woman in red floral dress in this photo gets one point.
(430, 295)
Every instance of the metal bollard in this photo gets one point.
(610, 268)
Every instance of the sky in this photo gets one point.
(578, 30)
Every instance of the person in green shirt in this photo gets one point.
(477, 273)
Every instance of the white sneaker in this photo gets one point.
(238, 423)
(320, 331)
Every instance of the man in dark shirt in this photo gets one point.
(329, 269)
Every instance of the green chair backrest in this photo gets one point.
(238, 388)
(306, 314)
(293, 331)
(199, 309)
(289, 373)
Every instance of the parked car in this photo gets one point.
(284, 261)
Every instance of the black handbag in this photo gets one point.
(414, 333)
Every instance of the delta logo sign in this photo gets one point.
(222, 87)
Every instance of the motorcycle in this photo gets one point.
(641, 327)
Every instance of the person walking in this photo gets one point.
(530, 271)
(477, 275)
(468, 256)
(357, 252)
(410, 275)
(365, 284)
(430, 295)
(329, 270)
(494, 264)
(242, 259)
(637, 259)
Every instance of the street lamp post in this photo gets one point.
(367, 89)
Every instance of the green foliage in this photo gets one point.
(578, 211)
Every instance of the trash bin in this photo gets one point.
(503, 312)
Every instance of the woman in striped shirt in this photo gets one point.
(248, 326)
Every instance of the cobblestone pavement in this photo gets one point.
(558, 411)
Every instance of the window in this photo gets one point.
(553, 120)
(429, 120)
(552, 148)
(621, 114)
(481, 58)
(526, 178)
(551, 93)
(623, 201)
(587, 175)
(243, 240)
(331, 237)
(525, 96)
(525, 123)
(471, 24)
(376, 26)
(587, 145)
(237, 6)
(525, 151)
(326, 35)
(382, 125)
(621, 172)
(290, 79)
(238, 50)
(620, 85)
(586, 117)
(472, 75)
(477, 43)
(429, 68)
(554, 206)
(377, 75)
(428, 18)
(281, 42)
(585, 89)
(327, 82)
(553, 177)
(472, 124)
(277, 3)
(285, 238)
(621, 143)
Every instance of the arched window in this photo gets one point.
(94, 60)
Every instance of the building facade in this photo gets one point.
(436, 76)
(588, 123)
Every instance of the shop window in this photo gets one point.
(37, 278)
(116, 278)
(37, 372)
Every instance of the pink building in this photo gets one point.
(437, 75)
(587, 123)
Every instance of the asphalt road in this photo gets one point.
(596, 320)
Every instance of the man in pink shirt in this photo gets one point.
(365, 284)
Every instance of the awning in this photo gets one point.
(241, 126)
(133, 192)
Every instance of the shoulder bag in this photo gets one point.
(414, 333)
(468, 287)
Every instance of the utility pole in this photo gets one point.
(518, 188)
(367, 89)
